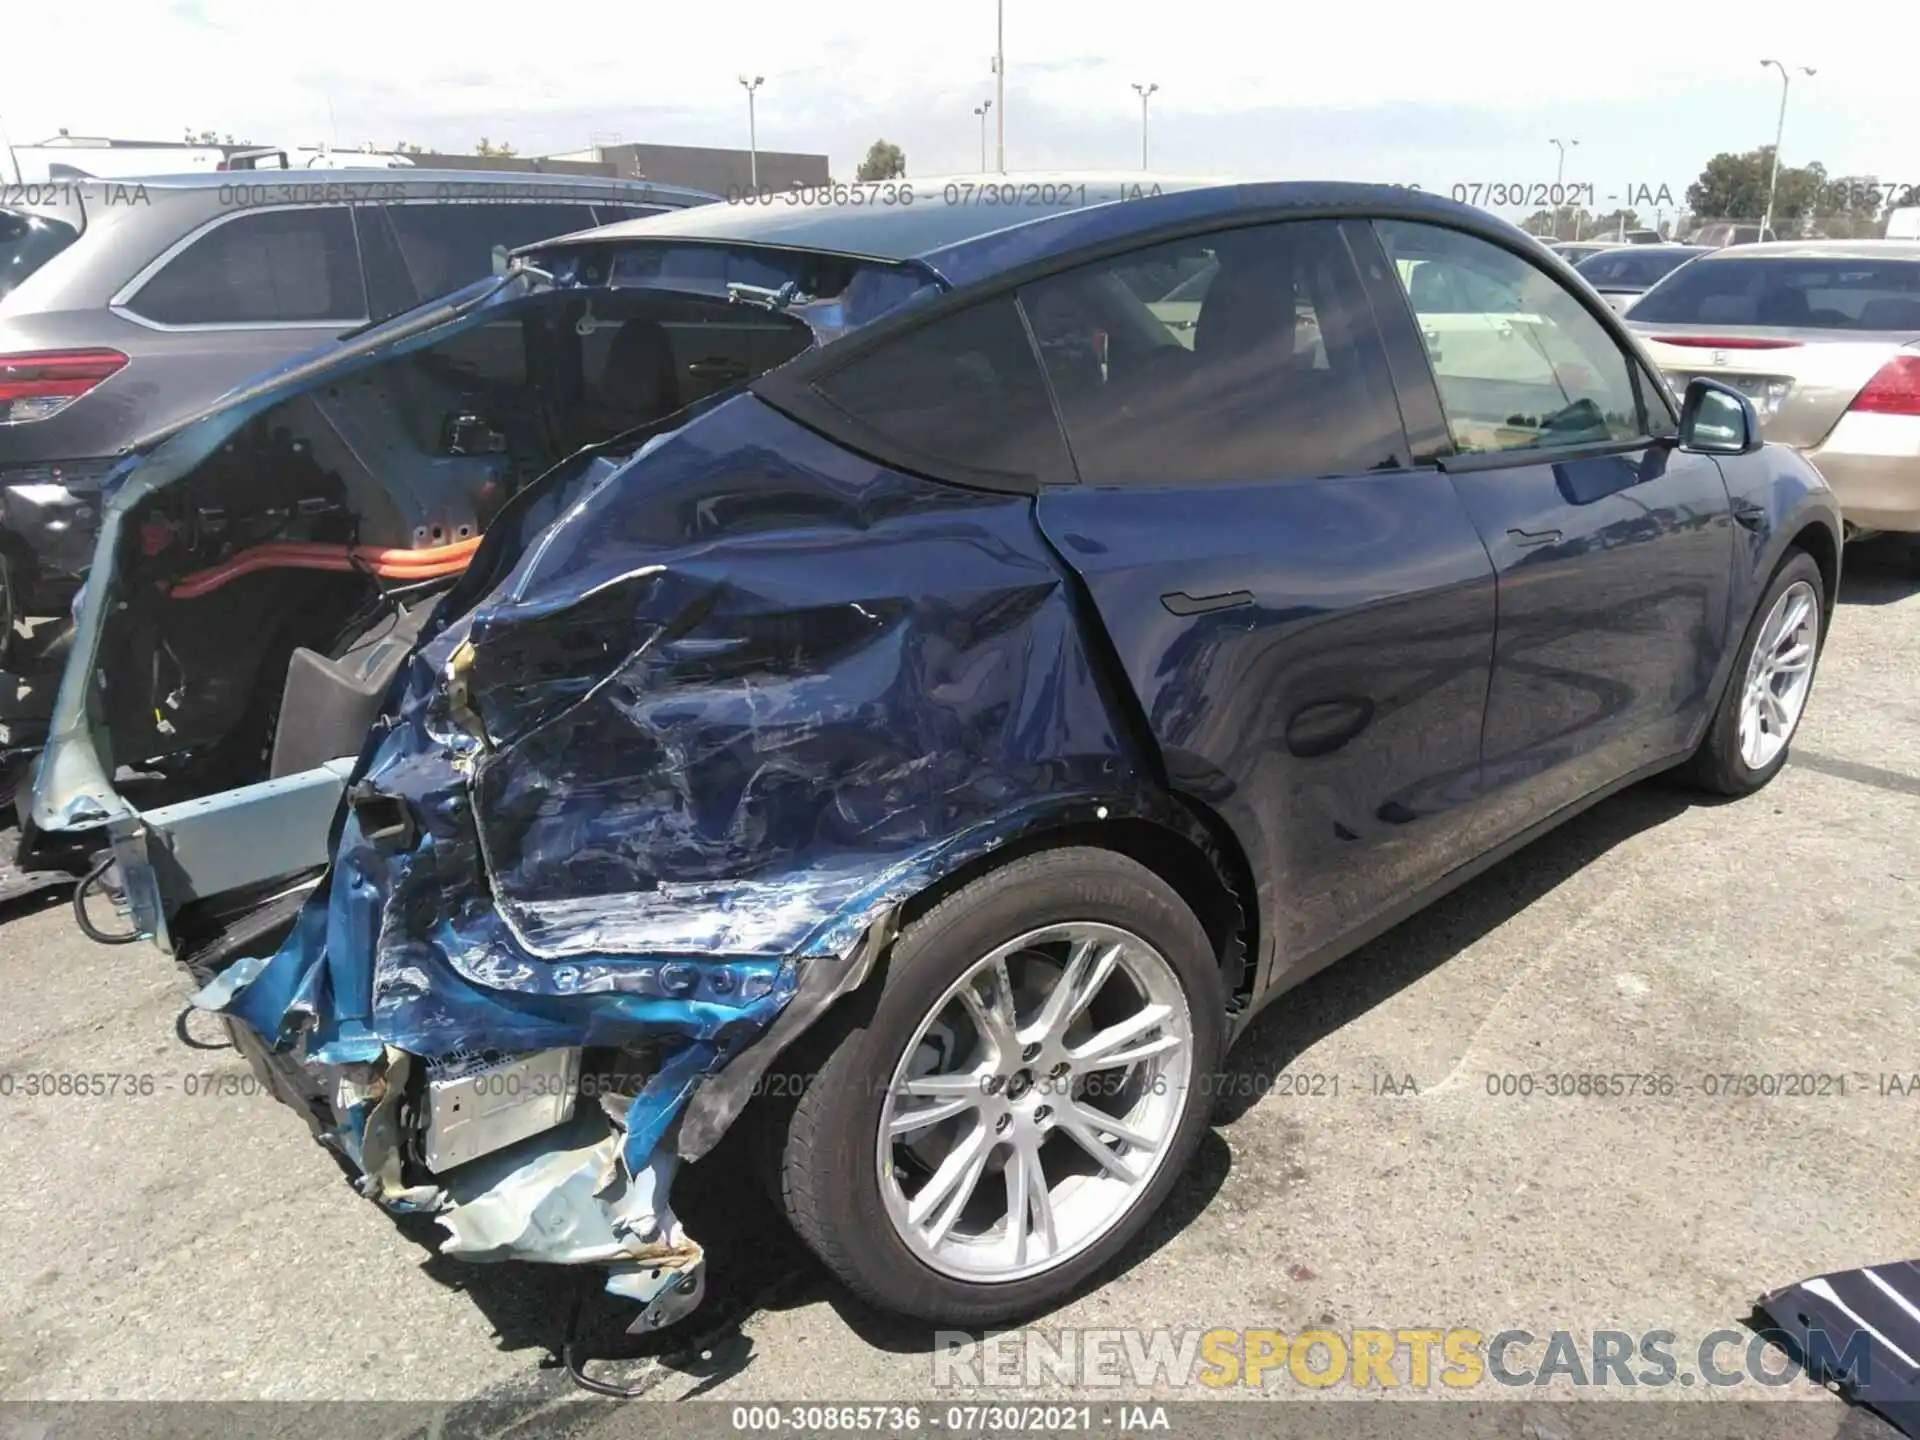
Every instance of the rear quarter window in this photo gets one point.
(271, 266)
(962, 394)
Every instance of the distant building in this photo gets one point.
(698, 167)
(537, 164)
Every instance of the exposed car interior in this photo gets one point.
(270, 594)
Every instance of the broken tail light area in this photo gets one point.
(659, 794)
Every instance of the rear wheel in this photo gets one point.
(1017, 1099)
(1746, 745)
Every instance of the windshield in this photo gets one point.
(1808, 294)
(26, 243)
(1632, 269)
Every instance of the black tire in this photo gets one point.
(822, 1148)
(1717, 766)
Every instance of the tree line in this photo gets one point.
(1734, 187)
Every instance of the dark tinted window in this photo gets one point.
(277, 265)
(447, 245)
(1817, 294)
(964, 391)
(26, 243)
(1255, 356)
(1633, 268)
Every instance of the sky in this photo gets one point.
(1471, 91)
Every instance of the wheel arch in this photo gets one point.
(1191, 849)
(1819, 541)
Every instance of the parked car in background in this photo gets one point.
(1723, 233)
(127, 305)
(1623, 276)
(950, 728)
(1574, 251)
(1824, 338)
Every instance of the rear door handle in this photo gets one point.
(717, 370)
(1529, 537)
(1181, 603)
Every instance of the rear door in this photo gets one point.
(1614, 550)
(1306, 620)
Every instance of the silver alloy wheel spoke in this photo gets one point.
(1779, 674)
(1029, 1203)
(1105, 1049)
(996, 1079)
(947, 1193)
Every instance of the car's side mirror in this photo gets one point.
(1716, 419)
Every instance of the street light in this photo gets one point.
(1559, 175)
(1778, 130)
(981, 110)
(1000, 86)
(753, 136)
(1145, 91)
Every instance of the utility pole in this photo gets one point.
(753, 134)
(1560, 175)
(1000, 85)
(1145, 91)
(981, 110)
(1779, 130)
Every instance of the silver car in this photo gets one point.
(1824, 338)
(1622, 276)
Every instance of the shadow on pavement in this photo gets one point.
(757, 1264)
(1881, 571)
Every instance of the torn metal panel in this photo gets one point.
(1860, 1330)
(724, 710)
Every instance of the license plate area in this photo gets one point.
(1767, 392)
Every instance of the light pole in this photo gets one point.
(1145, 91)
(753, 134)
(1778, 130)
(1000, 86)
(1559, 189)
(981, 110)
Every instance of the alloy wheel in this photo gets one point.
(1035, 1102)
(1779, 675)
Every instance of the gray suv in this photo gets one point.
(127, 306)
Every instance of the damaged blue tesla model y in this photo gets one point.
(918, 675)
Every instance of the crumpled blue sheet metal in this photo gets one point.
(743, 698)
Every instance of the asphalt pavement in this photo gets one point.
(183, 1239)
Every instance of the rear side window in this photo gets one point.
(272, 266)
(1246, 355)
(26, 243)
(961, 394)
(428, 250)
(1811, 294)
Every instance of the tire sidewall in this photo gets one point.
(928, 959)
